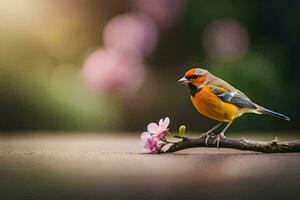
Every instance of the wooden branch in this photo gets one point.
(243, 144)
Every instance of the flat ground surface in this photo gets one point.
(109, 166)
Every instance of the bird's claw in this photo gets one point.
(220, 137)
(207, 135)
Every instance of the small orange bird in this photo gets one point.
(218, 100)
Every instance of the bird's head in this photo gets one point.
(195, 77)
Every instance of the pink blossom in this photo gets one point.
(155, 133)
(149, 143)
(158, 131)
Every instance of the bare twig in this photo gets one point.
(265, 147)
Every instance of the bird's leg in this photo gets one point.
(221, 135)
(209, 133)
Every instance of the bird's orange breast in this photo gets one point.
(211, 106)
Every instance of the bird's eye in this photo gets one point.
(192, 77)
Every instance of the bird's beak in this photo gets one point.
(183, 80)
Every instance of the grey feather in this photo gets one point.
(235, 98)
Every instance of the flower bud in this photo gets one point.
(182, 130)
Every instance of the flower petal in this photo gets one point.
(160, 122)
(166, 122)
(145, 136)
(152, 128)
(149, 145)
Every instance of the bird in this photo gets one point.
(218, 100)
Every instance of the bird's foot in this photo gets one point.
(220, 137)
(207, 135)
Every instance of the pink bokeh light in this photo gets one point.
(132, 32)
(128, 38)
(113, 71)
(225, 40)
(162, 12)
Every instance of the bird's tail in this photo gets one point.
(263, 110)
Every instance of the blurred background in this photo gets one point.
(113, 65)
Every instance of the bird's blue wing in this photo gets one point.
(233, 97)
